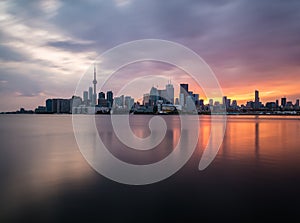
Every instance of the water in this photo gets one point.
(255, 176)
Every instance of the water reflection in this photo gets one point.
(43, 173)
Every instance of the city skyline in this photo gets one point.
(249, 45)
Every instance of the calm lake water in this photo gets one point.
(255, 176)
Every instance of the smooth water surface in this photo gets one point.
(44, 177)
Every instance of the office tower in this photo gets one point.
(184, 89)
(49, 105)
(256, 100)
(228, 102)
(154, 96)
(196, 98)
(283, 102)
(146, 99)
(190, 104)
(122, 100)
(101, 95)
(118, 102)
(224, 102)
(109, 97)
(170, 93)
(90, 94)
(234, 104)
(102, 102)
(181, 99)
(95, 85)
(277, 104)
(211, 102)
(201, 102)
(162, 95)
(75, 102)
(85, 96)
(129, 102)
(297, 103)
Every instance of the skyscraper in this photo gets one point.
(184, 89)
(256, 101)
(283, 102)
(297, 103)
(101, 95)
(170, 93)
(90, 94)
(85, 96)
(109, 97)
(153, 96)
(224, 100)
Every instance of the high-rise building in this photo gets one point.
(181, 99)
(85, 96)
(90, 94)
(49, 105)
(170, 93)
(102, 102)
(146, 99)
(256, 100)
(101, 95)
(277, 104)
(196, 98)
(154, 96)
(184, 89)
(109, 97)
(234, 104)
(162, 95)
(283, 102)
(211, 102)
(224, 102)
(297, 103)
(129, 102)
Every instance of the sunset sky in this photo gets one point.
(46, 46)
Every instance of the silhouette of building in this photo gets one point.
(256, 100)
(109, 98)
(283, 102)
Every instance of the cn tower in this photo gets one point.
(95, 84)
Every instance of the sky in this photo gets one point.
(46, 46)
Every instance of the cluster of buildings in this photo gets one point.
(159, 101)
